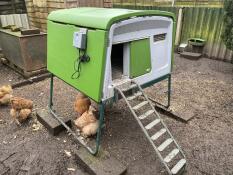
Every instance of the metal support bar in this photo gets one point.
(101, 119)
(51, 92)
(169, 92)
(168, 77)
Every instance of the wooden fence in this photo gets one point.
(177, 3)
(38, 10)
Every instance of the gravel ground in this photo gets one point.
(203, 87)
(8, 76)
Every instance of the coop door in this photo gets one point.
(140, 58)
(120, 60)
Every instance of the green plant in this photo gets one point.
(228, 20)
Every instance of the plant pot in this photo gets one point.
(196, 45)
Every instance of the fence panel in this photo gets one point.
(178, 3)
(91, 3)
(19, 20)
(206, 23)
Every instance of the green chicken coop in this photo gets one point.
(105, 52)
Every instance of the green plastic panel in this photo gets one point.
(100, 18)
(62, 55)
(140, 58)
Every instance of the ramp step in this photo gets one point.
(132, 86)
(178, 166)
(140, 105)
(171, 155)
(152, 124)
(134, 96)
(165, 144)
(143, 116)
(158, 134)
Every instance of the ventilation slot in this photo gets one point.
(159, 37)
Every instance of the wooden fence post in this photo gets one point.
(179, 26)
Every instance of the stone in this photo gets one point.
(102, 164)
(191, 55)
(48, 121)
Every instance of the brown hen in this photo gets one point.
(82, 103)
(5, 99)
(7, 89)
(5, 94)
(87, 123)
(21, 109)
(18, 103)
(90, 129)
(24, 114)
(85, 119)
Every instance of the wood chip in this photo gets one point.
(70, 169)
(68, 153)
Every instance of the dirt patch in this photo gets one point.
(204, 86)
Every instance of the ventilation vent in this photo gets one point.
(159, 37)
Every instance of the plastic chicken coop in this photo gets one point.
(104, 52)
(120, 43)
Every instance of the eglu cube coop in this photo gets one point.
(106, 52)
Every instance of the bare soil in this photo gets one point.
(203, 87)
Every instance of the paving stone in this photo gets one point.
(191, 55)
(102, 164)
(48, 120)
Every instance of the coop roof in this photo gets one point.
(100, 18)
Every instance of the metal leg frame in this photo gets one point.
(101, 119)
(168, 94)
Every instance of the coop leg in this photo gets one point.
(101, 120)
(169, 91)
(92, 151)
(168, 77)
(51, 92)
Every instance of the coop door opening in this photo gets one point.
(120, 60)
